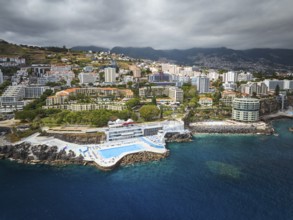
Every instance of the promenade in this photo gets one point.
(287, 114)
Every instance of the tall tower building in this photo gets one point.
(110, 75)
(1, 77)
(203, 84)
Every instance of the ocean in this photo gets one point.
(212, 177)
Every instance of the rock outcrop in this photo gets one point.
(142, 157)
(268, 106)
(178, 137)
(43, 154)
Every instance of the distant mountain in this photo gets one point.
(92, 48)
(252, 59)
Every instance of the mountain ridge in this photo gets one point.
(254, 59)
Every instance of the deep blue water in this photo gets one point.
(213, 177)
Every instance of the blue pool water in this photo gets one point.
(151, 144)
(113, 152)
(218, 177)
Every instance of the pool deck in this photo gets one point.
(92, 152)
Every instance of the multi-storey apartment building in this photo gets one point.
(110, 75)
(245, 109)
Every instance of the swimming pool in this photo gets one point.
(113, 152)
(152, 144)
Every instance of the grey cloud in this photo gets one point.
(162, 24)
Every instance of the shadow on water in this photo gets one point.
(224, 169)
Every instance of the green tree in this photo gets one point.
(102, 76)
(129, 84)
(216, 97)
(3, 86)
(277, 90)
(149, 112)
(132, 103)
(154, 100)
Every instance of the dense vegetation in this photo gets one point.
(97, 118)
(149, 112)
(3, 86)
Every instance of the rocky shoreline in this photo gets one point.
(43, 154)
(39, 154)
(178, 137)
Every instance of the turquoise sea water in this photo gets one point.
(213, 177)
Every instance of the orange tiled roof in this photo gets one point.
(205, 98)
(62, 93)
(70, 90)
(109, 88)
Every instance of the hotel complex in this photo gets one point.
(119, 130)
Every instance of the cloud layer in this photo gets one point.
(162, 24)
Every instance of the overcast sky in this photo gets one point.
(161, 24)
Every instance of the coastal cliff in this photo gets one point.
(269, 106)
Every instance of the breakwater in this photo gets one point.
(231, 128)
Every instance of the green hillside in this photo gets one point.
(32, 54)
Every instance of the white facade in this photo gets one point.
(1, 77)
(34, 92)
(110, 75)
(271, 84)
(230, 76)
(229, 86)
(203, 84)
(252, 87)
(213, 75)
(86, 78)
(127, 79)
(245, 109)
(244, 76)
(288, 84)
(170, 68)
(176, 94)
(11, 99)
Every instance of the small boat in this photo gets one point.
(291, 129)
(276, 134)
